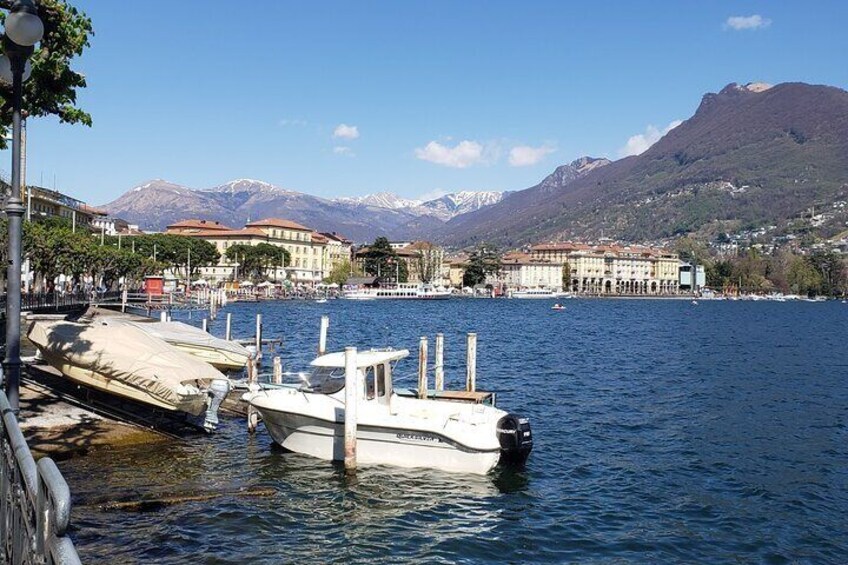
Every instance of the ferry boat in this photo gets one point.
(392, 428)
(535, 293)
(408, 291)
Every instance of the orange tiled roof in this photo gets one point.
(277, 223)
(199, 224)
(318, 238)
(229, 232)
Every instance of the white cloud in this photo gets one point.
(525, 155)
(344, 131)
(640, 142)
(740, 23)
(342, 150)
(462, 155)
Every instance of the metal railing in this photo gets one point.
(35, 502)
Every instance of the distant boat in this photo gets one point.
(321, 301)
(403, 291)
(535, 293)
(557, 307)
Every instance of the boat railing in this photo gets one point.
(35, 502)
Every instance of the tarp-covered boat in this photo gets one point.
(222, 354)
(120, 358)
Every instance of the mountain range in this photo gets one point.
(752, 156)
(158, 203)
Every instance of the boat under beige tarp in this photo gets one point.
(218, 352)
(122, 359)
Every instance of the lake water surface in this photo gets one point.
(664, 432)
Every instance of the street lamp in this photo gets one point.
(23, 30)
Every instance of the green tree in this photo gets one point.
(380, 260)
(339, 273)
(52, 88)
(483, 261)
(172, 251)
(802, 276)
(255, 260)
(566, 276)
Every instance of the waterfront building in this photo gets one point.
(45, 203)
(522, 270)
(310, 259)
(110, 225)
(453, 269)
(338, 250)
(614, 269)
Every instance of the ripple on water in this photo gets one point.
(663, 434)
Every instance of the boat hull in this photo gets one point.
(375, 444)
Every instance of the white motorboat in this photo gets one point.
(123, 360)
(407, 291)
(391, 429)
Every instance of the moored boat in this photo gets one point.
(121, 359)
(391, 429)
(220, 353)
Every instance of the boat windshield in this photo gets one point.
(325, 380)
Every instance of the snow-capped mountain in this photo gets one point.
(381, 200)
(452, 205)
(443, 208)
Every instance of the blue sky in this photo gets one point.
(434, 96)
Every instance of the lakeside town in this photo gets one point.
(279, 257)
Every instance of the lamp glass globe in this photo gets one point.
(24, 28)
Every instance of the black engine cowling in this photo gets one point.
(515, 438)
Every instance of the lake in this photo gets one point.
(664, 432)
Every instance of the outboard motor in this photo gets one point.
(217, 391)
(515, 439)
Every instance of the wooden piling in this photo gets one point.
(322, 335)
(471, 363)
(352, 390)
(228, 335)
(124, 300)
(278, 370)
(163, 316)
(422, 367)
(205, 325)
(439, 363)
(252, 415)
(258, 336)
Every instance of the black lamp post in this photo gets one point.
(23, 30)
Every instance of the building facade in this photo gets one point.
(522, 270)
(310, 255)
(614, 269)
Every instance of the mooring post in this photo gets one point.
(278, 370)
(471, 363)
(258, 336)
(163, 316)
(124, 300)
(205, 325)
(228, 335)
(439, 367)
(352, 389)
(322, 335)
(252, 415)
(422, 367)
